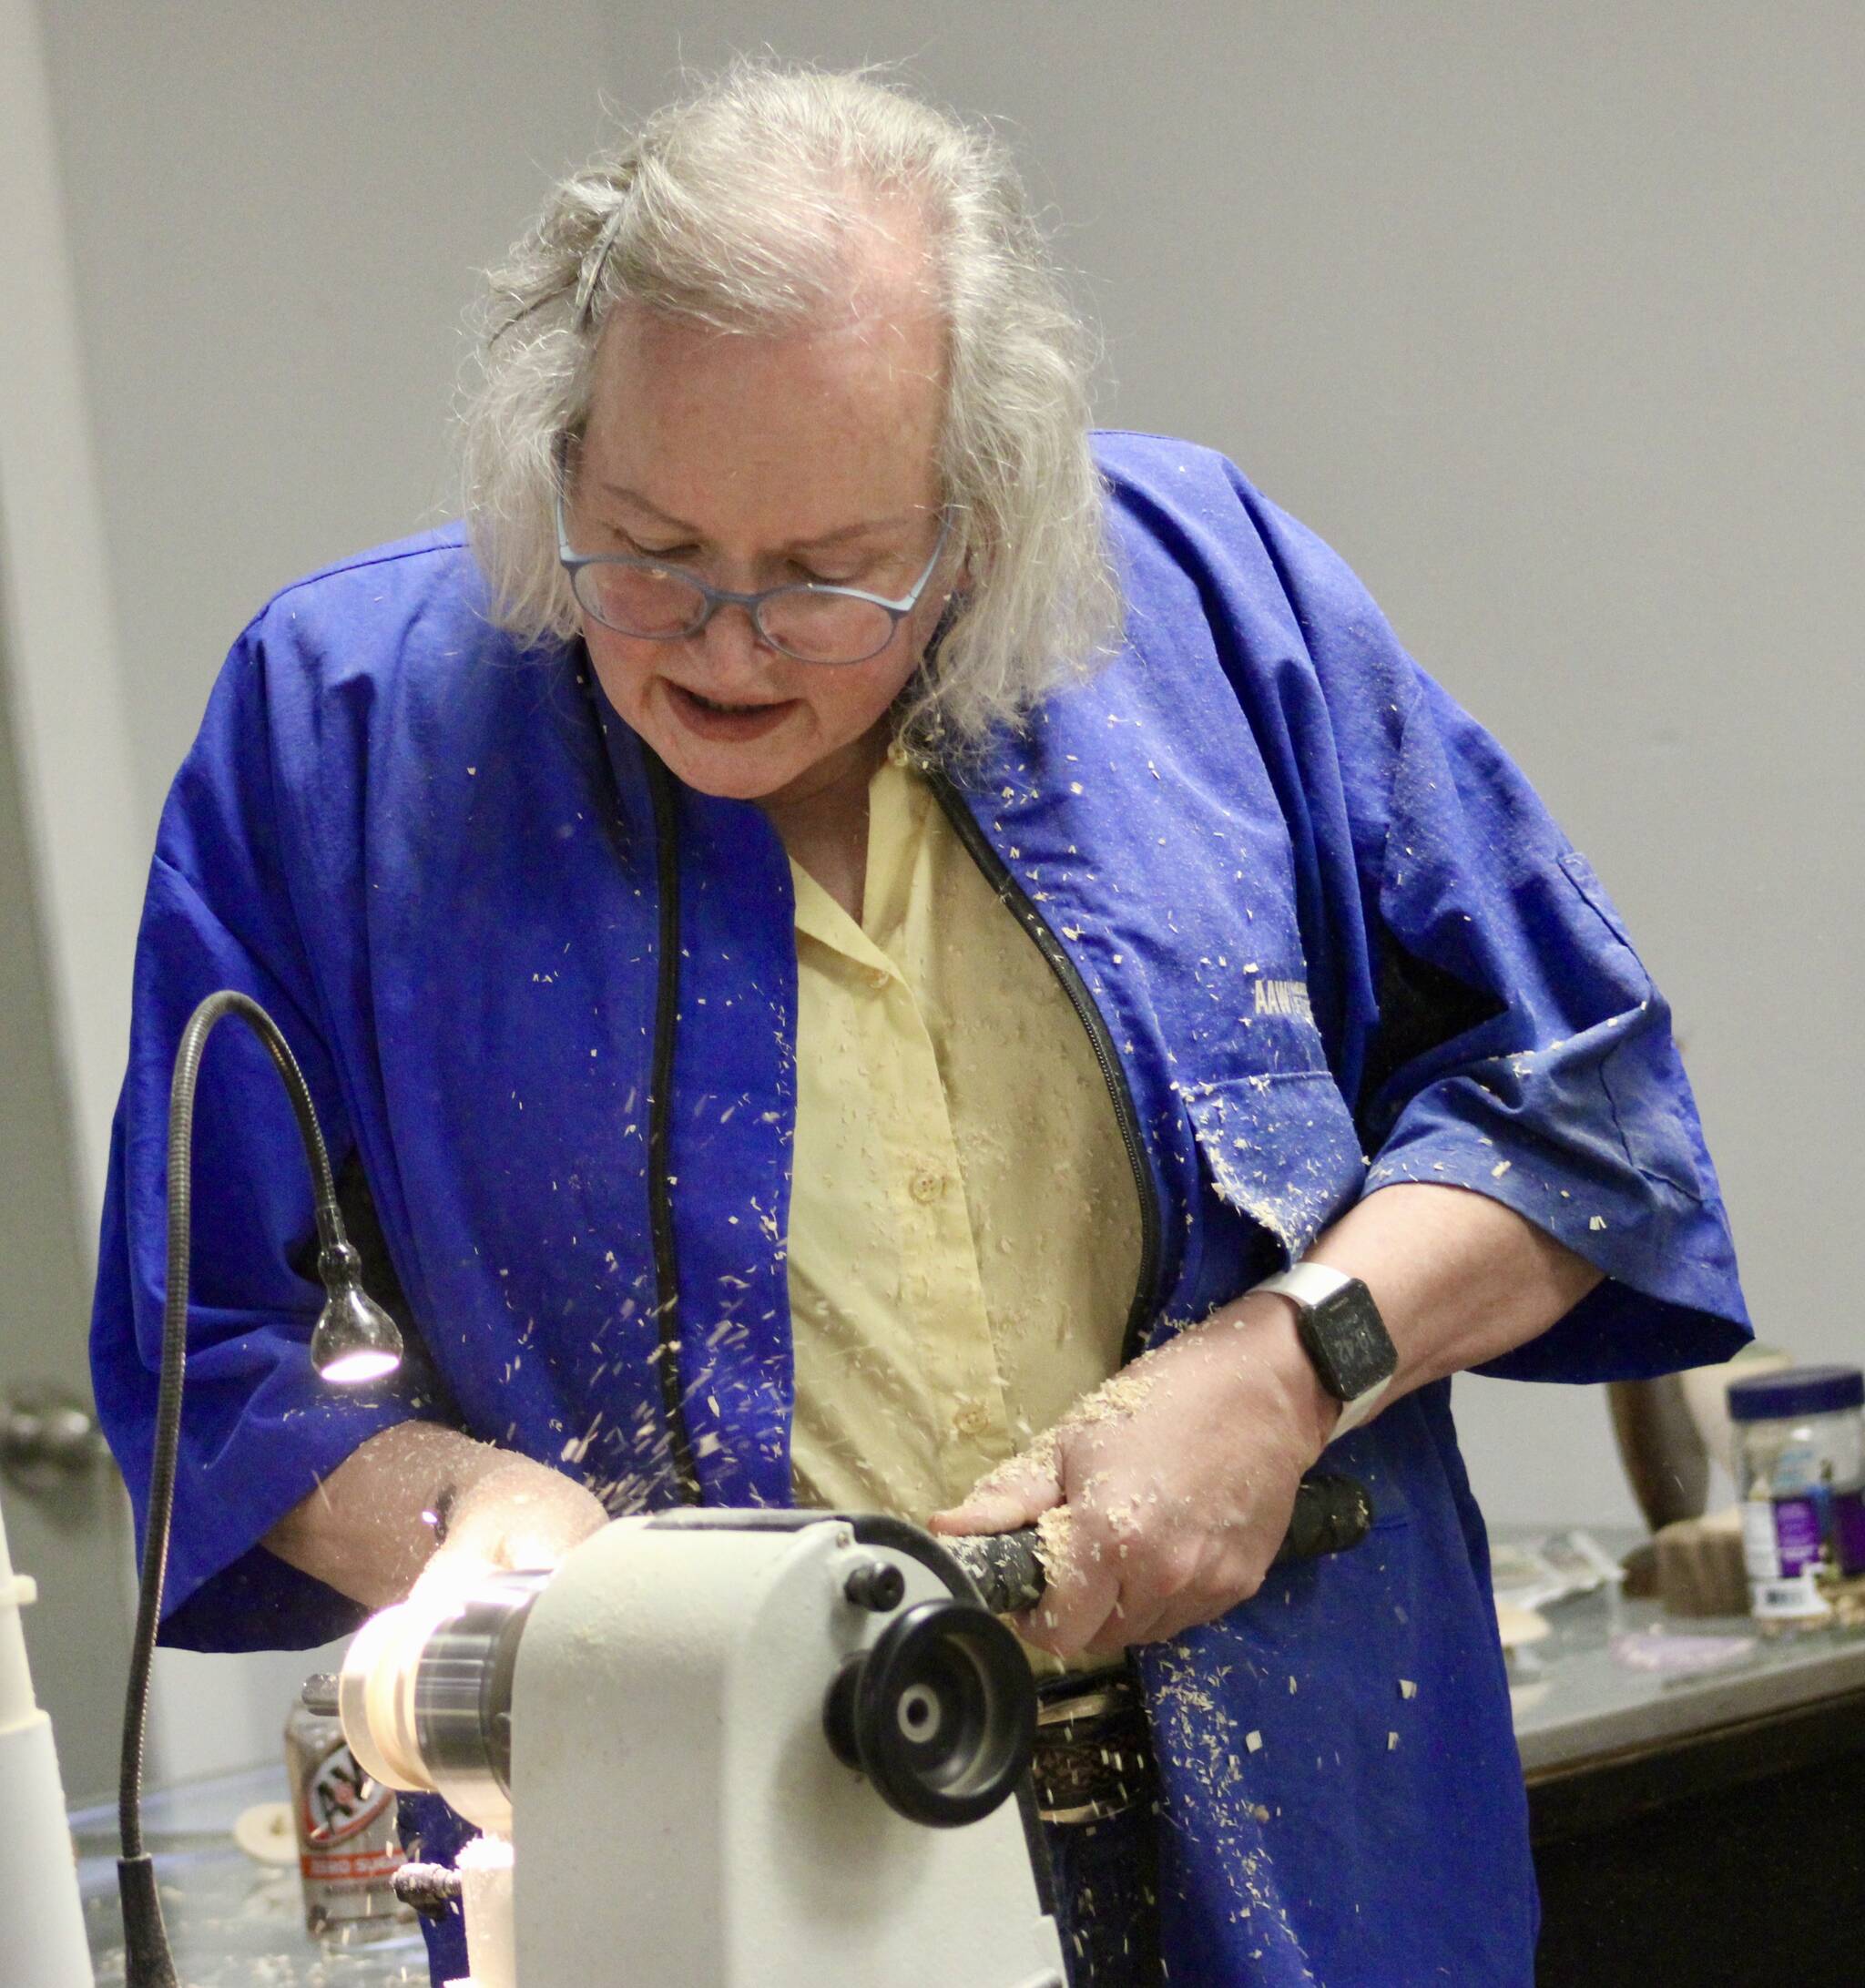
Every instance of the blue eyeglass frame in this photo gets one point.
(716, 598)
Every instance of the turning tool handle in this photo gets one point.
(1332, 1514)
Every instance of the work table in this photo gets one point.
(1577, 1703)
(232, 1922)
(1610, 1754)
(1693, 1826)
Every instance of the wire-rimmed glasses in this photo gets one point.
(810, 620)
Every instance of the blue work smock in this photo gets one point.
(1324, 931)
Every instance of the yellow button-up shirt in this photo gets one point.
(964, 1230)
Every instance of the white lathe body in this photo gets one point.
(662, 1728)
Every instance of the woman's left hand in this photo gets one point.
(1162, 1498)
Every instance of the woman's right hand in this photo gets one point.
(517, 1515)
(369, 1529)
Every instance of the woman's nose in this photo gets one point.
(731, 641)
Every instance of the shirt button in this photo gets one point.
(880, 979)
(927, 1186)
(971, 1420)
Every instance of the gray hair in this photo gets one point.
(742, 207)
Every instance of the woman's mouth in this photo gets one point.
(726, 722)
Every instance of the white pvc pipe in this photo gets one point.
(39, 1907)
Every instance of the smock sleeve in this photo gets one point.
(1513, 1044)
(260, 1431)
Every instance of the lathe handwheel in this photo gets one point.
(939, 1714)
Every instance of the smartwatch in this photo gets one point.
(1343, 1336)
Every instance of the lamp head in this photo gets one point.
(355, 1340)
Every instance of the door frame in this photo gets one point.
(65, 673)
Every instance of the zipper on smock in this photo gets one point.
(1016, 899)
(666, 999)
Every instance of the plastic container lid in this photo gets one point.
(1797, 1390)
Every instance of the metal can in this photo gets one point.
(1800, 1456)
(349, 1843)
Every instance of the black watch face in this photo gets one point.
(1348, 1341)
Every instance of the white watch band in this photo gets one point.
(1311, 1284)
(1354, 1412)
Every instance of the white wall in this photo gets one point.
(1549, 318)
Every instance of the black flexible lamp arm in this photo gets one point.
(355, 1340)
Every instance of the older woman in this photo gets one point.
(841, 913)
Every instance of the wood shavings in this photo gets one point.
(1055, 1540)
(1114, 1399)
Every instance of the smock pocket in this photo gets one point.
(1278, 1147)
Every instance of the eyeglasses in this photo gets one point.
(810, 621)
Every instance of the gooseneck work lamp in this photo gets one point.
(355, 1340)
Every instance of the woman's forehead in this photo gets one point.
(834, 427)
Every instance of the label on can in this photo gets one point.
(346, 1829)
(1799, 1538)
(348, 1845)
(1782, 1547)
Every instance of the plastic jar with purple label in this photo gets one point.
(1800, 1475)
